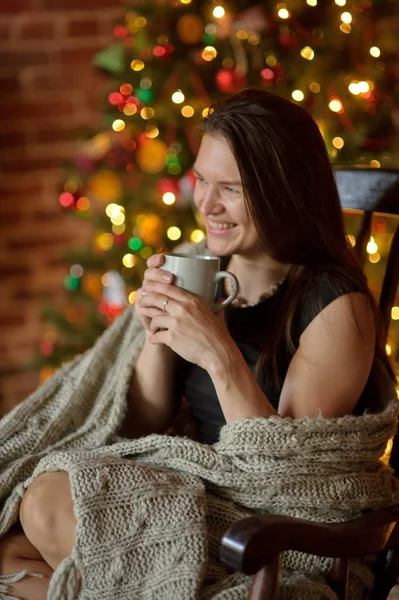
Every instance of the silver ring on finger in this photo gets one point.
(165, 303)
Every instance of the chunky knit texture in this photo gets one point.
(151, 512)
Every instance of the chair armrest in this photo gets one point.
(248, 544)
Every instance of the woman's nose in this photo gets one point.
(209, 201)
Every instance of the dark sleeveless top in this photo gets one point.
(249, 327)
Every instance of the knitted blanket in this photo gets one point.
(151, 512)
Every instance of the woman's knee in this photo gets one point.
(42, 507)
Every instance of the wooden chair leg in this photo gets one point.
(338, 577)
(265, 583)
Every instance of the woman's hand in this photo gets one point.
(152, 274)
(185, 324)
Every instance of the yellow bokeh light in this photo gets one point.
(187, 111)
(153, 132)
(351, 240)
(218, 12)
(374, 258)
(345, 28)
(130, 109)
(271, 60)
(253, 40)
(372, 247)
(197, 235)
(140, 22)
(110, 208)
(298, 95)
(118, 125)
(209, 53)
(353, 87)
(169, 198)
(119, 229)
(388, 349)
(307, 52)
(363, 87)
(242, 34)
(340, 2)
(395, 313)
(173, 233)
(178, 97)
(132, 297)
(346, 17)
(70, 186)
(283, 13)
(146, 252)
(311, 2)
(137, 65)
(185, 1)
(338, 142)
(375, 51)
(375, 164)
(129, 260)
(315, 87)
(104, 241)
(205, 112)
(118, 219)
(335, 105)
(147, 113)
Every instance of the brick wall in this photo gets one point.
(48, 90)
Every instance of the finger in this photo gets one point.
(160, 337)
(150, 312)
(157, 275)
(158, 301)
(161, 321)
(156, 260)
(171, 291)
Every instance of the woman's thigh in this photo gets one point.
(47, 516)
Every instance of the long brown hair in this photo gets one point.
(292, 198)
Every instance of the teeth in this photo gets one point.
(220, 225)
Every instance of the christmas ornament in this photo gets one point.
(190, 29)
(111, 59)
(106, 186)
(151, 155)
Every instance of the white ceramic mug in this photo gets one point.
(200, 276)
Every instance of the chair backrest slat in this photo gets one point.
(373, 191)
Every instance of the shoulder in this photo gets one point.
(331, 366)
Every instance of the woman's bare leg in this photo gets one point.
(18, 554)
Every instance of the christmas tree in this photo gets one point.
(169, 61)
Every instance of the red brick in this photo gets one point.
(10, 217)
(10, 320)
(83, 28)
(11, 140)
(18, 59)
(34, 242)
(36, 110)
(79, 4)
(79, 55)
(10, 85)
(16, 6)
(26, 165)
(14, 270)
(54, 135)
(37, 31)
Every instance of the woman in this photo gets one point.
(304, 337)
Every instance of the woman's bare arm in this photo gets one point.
(152, 397)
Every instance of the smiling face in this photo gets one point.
(219, 197)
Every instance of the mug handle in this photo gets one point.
(234, 290)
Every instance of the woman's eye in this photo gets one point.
(231, 190)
